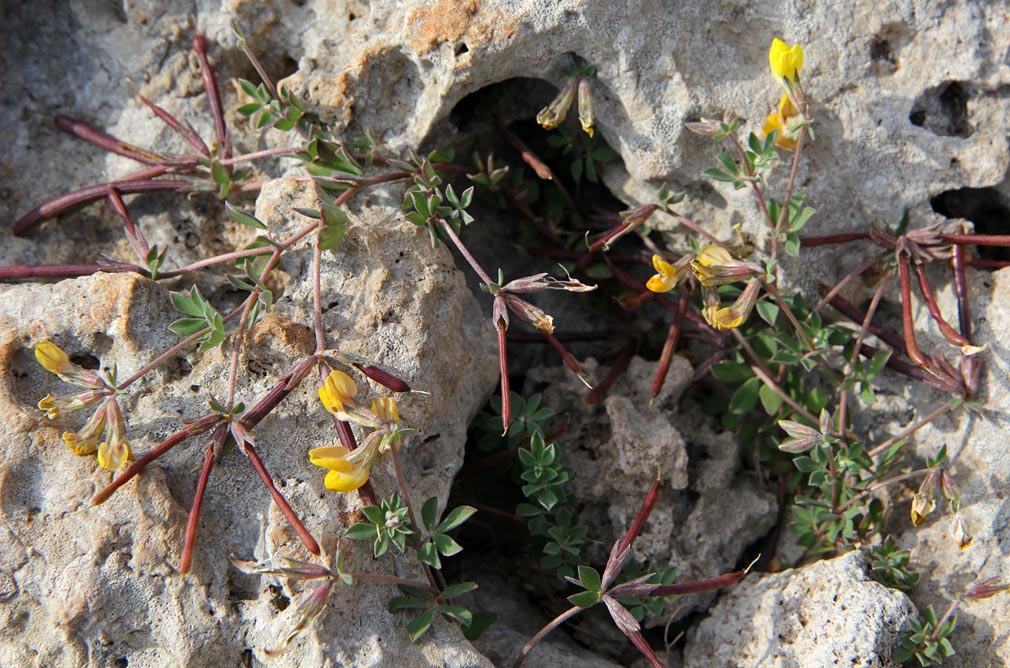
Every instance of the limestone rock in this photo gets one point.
(710, 509)
(826, 614)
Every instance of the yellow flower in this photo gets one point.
(85, 442)
(59, 407)
(666, 276)
(785, 61)
(53, 359)
(114, 453)
(553, 114)
(344, 475)
(726, 318)
(714, 265)
(922, 505)
(387, 411)
(786, 121)
(735, 315)
(338, 393)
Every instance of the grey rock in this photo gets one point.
(826, 614)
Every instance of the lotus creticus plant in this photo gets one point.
(99, 390)
(350, 469)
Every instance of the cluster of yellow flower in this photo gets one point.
(349, 470)
(789, 120)
(718, 264)
(113, 451)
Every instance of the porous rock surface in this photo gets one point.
(827, 614)
(711, 506)
(909, 98)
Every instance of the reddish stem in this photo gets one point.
(194, 429)
(71, 200)
(53, 271)
(961, 290)
(193, 521)
(670, 345)
(926, 289)
(185, 131)
(648, 503)
(383, 377)
(213, 96)
(831, 239)
(976, 239)
(106, 142)
(699, 586)
(307, 540)
(503, 370)
(907, 322)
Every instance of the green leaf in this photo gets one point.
(429, 514)
(768, 311)
(456, 517)
(243, 218)
(375, 515)
(187, 326)
(452, 591)
(770, 399)
(746, 396)
(418, 625)
(590, 578)
(877, 363)
(429, 555)
(457, 612)
(732, 372)
(480, 623)
(585, 599)
(189, 304)
(446, 545)
(406, 603)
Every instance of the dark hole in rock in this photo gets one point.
(278, 599)
(121, 662)
(461, 48)
(86, 360)
(985, 207)
(943, 110)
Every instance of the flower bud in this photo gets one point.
(586, 117)
(553, 114)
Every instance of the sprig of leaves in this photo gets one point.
(201, 316)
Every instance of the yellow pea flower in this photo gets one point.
(786, 122)
(387, 411)
(114, 453)
(85, 441)
(733, 316)
(53, 359)
(666, 276)
(338, 393)
(344, 475)
(785, 61)
(553, 114)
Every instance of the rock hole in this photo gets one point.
(460, 49)
(884, 47)
(986, 207)
(86, 361)
(121, 662)
(277, 598)
(247, 658)
(943, 110)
